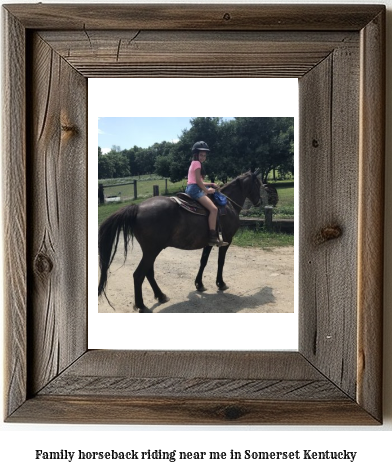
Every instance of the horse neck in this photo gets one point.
(236, 192)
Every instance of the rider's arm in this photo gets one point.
(200, 182)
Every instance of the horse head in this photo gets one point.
(255, 188)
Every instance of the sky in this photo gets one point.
(126, 132)
(144, 111)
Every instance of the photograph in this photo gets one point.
(203, 209)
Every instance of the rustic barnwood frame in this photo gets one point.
(337, 52)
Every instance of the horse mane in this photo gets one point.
(225, 186)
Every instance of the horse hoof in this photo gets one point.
(142, 310)
(162, 299)
(222, 286)
(200, 287)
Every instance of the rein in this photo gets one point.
(240, 207)
(231, 200)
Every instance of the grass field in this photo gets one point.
(261, 238)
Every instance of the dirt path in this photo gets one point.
(259, 281)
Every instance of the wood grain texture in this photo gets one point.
(208, 375)
(371, 215)
(195, 17)
(155, 411)
(191, 387)
(201, 387)
(193, 53)
(14, 208)
(329, 199)
(57, 214)
(335, 378)
(208, 364)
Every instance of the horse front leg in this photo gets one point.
(221, 262)
(203, 262)
(158, 294)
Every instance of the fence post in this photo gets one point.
(155, 189)
(268, 217)
(134, 189)
(165, 185)
(101, 195)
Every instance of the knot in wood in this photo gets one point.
(69, 128)
(43, 264)
(232, 412)
(227, 16)
(315, 143)
(328, 233)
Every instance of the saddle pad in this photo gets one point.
(194, 204)
(190, 205)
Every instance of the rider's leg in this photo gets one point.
(208, 204)
(213, 238)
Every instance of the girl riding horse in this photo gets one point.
(197, 189)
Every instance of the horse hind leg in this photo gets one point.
(203, 262)
(144, 268)
(158, 294)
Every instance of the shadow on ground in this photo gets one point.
(219, 302)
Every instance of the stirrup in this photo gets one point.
(222, 243)
(216, 239)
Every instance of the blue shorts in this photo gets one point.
(194, 191)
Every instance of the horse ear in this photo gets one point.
(256, 172)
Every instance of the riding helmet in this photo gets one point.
(200, 146)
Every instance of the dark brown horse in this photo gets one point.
(159, 222)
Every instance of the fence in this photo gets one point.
(131, 194)
(101, 193)
(278, 225)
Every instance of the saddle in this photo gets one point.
(189, 204)
(193, 206)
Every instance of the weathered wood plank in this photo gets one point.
(216, 70)
(98, 53)
(208, 364)
(14, 209)
(206, 374)
(90, 41)
(188, 387)
(371, 216)
(192, 17)
(57, 214)
(119, 45)
(100, 409)
(328, 210)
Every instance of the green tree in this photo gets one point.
(105, 166)
(163, 166)
(131, 157)
(118, 163)
(282, 146)
(202, 128)
(264, 142)
(236, 146)
(227, 163)
(145, 160)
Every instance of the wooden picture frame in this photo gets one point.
(338, 54)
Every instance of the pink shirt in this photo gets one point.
(192, 172)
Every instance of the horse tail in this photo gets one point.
(108, 237)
